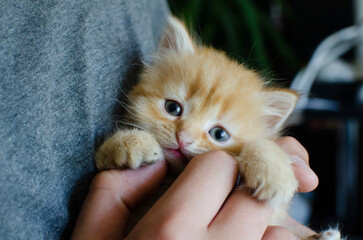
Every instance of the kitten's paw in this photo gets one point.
(275, 189)
(142, 149)
(267, 171)
(129, 148)
(331, 234)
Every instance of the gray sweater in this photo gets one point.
(63, 64)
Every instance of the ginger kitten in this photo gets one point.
(192, 99)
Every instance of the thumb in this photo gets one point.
(113, 193)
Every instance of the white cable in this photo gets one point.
(318, 58)
(329, 49)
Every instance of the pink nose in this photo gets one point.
(181, 143)
(182, 139)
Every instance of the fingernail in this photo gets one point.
(299, 162)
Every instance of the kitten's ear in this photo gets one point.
(176, 38)
(279, 104)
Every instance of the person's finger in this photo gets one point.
(278, 233)
(306, 177)
(239, 208)
(194, 198)
(299, 229)
(293, 147)
(111, 196)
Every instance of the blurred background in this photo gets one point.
(316, 48)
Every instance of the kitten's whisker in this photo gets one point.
(132, 101)
(130, 124)
(123, 104)
(127, 108)
(130, 112)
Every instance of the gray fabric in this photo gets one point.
(62, 65)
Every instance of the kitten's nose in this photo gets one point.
(183, 139)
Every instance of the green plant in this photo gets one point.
(241, 28)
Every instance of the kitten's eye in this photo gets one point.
(219, 134)
(173, 108)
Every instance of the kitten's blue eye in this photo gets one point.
(219, 134)
(173, 108)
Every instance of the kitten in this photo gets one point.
(192, 99)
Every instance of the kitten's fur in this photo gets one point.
(212, 91)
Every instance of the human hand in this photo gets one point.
(199, 205)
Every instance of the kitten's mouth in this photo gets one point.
(176, 154)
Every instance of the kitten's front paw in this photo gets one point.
(142, 149)
(129, 148)
(267, 171)
(274, 188)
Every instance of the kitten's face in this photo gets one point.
(194, 99)
(198, 102)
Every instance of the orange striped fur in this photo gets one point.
(212, 91)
